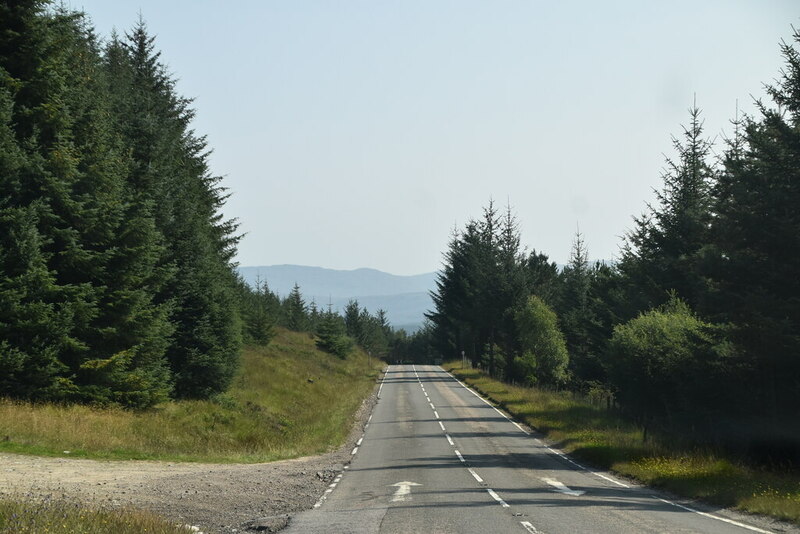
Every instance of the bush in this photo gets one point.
(544, 352)
(663, 366)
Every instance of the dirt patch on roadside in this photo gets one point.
(218, 498)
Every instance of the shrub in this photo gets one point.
(663, 366)
(544, 352)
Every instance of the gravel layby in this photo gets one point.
(216, 498)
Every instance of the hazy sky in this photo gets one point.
(358, 133)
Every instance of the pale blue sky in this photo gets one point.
(357, 133)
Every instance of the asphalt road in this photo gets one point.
(436, 458)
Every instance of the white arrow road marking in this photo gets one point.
(561, 488)
(403, 491)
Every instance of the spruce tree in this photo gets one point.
(295, 313)
(170, 177)
(577, 315)
(756, 238)
(662, 252)
(91, 258)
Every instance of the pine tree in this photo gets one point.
(661, 253)
(353, 321)
(331, 335)
(314, 316)
(170, 178)
(478, 289)
(295, 314)
(756, 236)
(71, 202)
(260, 310)
(541, 276)
(577, 315)
(34, 323)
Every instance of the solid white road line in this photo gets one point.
(519, 427)
(718, 518)
(496, 497)
(617, 482)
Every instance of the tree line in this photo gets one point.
(116, 277)
(335, 333)
(694, 328)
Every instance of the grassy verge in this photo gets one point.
(55, 516)
(288, 400)
(603, 439)
(35, 517)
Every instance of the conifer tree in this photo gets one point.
(353, 321)
(73, 190)
(577, 314)
(260, 311)
(756, 238)
(331, 335)
(170, 178)
(294, 311)
(661, 253)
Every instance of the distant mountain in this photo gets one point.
(404, 298)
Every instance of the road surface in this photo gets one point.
(436, 458)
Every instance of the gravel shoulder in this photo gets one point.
(218, 498)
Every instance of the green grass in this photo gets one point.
(41, 517)
(604, 439)
(272, 411)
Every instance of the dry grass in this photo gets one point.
(606, 440)
(31, 517)
(272, 411)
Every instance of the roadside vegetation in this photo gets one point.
(289, 399)
(587, 429)
(32, 517)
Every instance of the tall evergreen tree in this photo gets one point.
(73, 192)
(756, 238)
(295, 313)
(661, 253)
(171, 180)
(481, 284)
(577, 315)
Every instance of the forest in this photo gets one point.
(692, 331)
